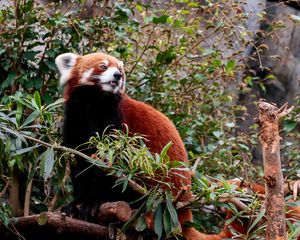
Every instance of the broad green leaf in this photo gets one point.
(54, 105)
(162, 19)
(289, 125)
(47, 161)
(230, 65)
(33, 116)
(37, 99)
(30, 55)
(9, 80)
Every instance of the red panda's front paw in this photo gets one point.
(89, 211)
(71, 210)
(83, 211)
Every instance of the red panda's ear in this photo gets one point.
(65, 63)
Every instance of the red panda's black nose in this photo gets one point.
(117, 76)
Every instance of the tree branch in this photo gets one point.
(269, 116)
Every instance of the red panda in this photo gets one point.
(94, 87)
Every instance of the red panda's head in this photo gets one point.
(93, 69)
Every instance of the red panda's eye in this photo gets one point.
(103, 67)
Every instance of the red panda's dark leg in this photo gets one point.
(89, 111)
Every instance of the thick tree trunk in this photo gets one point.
(269, 115)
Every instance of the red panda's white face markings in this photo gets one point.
(92, 69)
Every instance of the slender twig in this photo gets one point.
(71, 150)
(143, 52)
(236, 202)
(195, 45)
(53, 202)
(102, 11)
(146, 46)
(136, 187)
(28, 195)
(194, 168)
(179, 196)
(13, 229)
(284, 110)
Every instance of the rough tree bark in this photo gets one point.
(269, 116)
(55, 225)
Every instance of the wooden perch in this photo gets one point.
(48, 226)
(55, 225)
(269, 116)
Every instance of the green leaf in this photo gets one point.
(243, 146)
(230, 65)
(172, 210)
(141, 225)
(30, 55)
(19, 113)
(134, 217)
(33, 116)
(50, 65)
(230, 124)
(164, 151)
(37, 99)
(162, 19)
(15, 133)
(158, 226)
(9, 80)
(289, 125)
(257, 219)
(24, 150)
(47, 159)
(217, 133)
(167, 222)
(125, 183)
(150, 201)
(166, 57)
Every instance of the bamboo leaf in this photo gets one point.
(30, 118)
(258, 218)
(167, 222)
(24, 150)
(47, 160)
(158, 226)
(172, 210)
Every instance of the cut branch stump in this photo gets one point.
(269, 116)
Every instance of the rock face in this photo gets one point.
(286, 46)
(280, 58)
